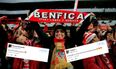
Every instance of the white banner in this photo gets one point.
(27, 52)
(85, 51)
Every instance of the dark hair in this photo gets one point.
(29, 29)
(105, 36)
(60, 27)
(66, 38)
(95, 22)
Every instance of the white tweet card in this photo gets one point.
(86, 51)
(27, 52)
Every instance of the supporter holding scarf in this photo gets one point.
(26, 38)
(58, 60)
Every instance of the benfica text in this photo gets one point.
(59, 15)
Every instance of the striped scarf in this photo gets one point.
(26, 62)
(58, 56)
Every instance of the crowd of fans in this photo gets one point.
(59, 38)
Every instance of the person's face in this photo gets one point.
(59, 34)
(9, 36)
(109, 36)
(103, 27)
(90, 26)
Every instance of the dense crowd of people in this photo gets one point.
(60, 38)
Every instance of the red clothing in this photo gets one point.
(19, 63)
(97, 62)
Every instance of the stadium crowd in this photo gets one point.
(57, 40)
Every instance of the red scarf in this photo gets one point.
(18, 64)
(62, 41)
(58, 40)
(58, 60)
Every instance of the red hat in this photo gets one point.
(88, 37)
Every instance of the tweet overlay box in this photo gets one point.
(27, 52)
(86, 51)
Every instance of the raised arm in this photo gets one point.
(44, 39)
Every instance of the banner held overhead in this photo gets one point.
(62, 16)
